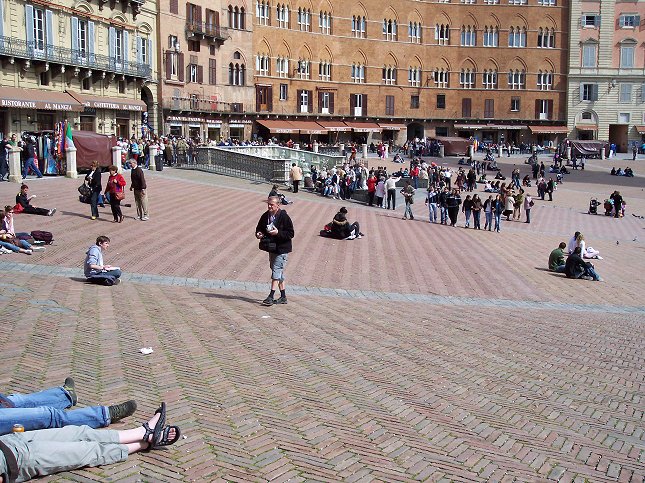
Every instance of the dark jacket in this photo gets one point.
(575, 266)
(453, 201)
(95, 181)
(285, 230)
(138, 180)
(340, 226)
(22, 200)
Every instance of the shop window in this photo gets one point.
(87, 123)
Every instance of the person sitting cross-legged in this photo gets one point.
(95, 270)
(27, 455)
(576, 267)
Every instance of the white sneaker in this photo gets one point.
(599, 257)
(37, 248)
(145, 218)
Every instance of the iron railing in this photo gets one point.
(207, 30)
(33, 50)
(258, 163)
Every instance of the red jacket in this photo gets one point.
(371, 184)
(112, 187)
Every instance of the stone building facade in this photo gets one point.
(206, 77)
(607, 72)
(399, 69)
(88, 62)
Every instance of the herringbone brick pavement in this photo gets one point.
(350, 382)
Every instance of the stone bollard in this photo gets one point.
(154, 149)
(116, 158)
(499, 151)
(15, 173)
(568, 152)
(316, 147)
(386, 149)
(364, 150)
(471, 151)
(341, 149)
(70, 156)
(442, 151)
(602, 153)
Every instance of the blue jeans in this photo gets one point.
(99, 277)
(489, 220)
(432, 212)
(476, 218)
(498, 222)
(591, 272)
(31, 164)
(46, 409)
(408, 211)
(444, 214)
(468, 213)
(94, 201)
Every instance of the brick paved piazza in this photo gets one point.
(419, 352)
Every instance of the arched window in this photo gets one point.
(414, 32)
(359, 27)
(546, 38)
(517, 37)
(516, 79)
(489, 79)
(389, 29)
(389, 75)
(262, 64)
(467, 79)
(468, 36)
(441, 78)
(414, 76)
(358, 73)
(324, 22)
(262, 12)
(442, 34)
(545, 80)
(491, 36)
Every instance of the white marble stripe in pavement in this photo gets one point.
(45, 270)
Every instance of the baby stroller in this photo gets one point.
(593, 206)
(609, 207)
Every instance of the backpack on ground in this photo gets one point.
(43, 236)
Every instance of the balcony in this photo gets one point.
(135, 4)
(203, 30)
(17, 48)
(202, 106)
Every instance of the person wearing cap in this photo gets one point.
(275, 232)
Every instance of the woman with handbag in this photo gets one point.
(115, 187)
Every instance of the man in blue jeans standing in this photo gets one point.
(30, 151)
(46, 409)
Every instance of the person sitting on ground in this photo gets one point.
(499, 175)
(576, 267)
(46, 409)
(573, 243)
(613, 171)
(16, 242)
(556, 259)
(23, 204)
(95, 270)
(628, 172)
(587, 252)
(526, 181)
(342, 229)
(26, 455)
(619, 172)
(283, 198)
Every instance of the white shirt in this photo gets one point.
(572, 244)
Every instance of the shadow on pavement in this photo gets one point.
(229, 297)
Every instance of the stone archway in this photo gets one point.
(148, 117)
(416, 130)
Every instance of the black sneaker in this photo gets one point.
(70, 387)
(268, 301)
(281, 300)
(123, 410)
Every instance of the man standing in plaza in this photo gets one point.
(275, 231)
(296, 176)
(138, 185)
(30, 163)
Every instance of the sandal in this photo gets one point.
(164, 439)
(157, 431)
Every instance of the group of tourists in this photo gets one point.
(575, 266)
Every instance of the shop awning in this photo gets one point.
(364, 126)
(549, 129)
(309, 127)
(115, 103)
(335, 126)
(586, 127)
(38, 99)
(392, 126)
(278, 127)
(490, 127)
(640, 129)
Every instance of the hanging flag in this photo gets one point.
(69, 143)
